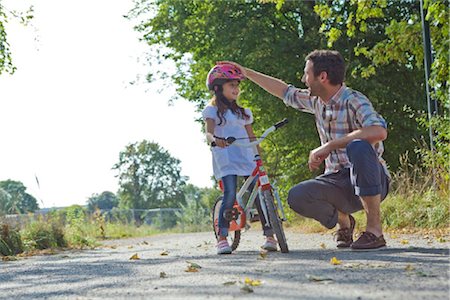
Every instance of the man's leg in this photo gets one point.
(372, 207)
(371, 184)
(328, 199)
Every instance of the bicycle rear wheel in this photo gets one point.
(275, 221)
(235, 235)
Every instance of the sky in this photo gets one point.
(69, 109)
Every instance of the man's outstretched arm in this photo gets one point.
(271, 84)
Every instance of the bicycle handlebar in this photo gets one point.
(232, 140)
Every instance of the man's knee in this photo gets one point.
(358, 147)
(298, 198)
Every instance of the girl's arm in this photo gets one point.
(210, 125)
(251, 136)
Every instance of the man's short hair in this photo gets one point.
(328, 61)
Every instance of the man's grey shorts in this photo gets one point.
(321, 197)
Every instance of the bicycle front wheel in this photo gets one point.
(275, 221)
(235, 235)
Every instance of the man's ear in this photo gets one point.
(323, 76)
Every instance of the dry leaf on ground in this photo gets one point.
(335, 261)
(317, 278)
(134, 257)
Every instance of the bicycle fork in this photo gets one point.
(280, 206)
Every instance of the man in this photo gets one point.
(351, 134)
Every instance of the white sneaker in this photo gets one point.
(223, 247)
(270, 244)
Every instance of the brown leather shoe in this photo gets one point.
(368, 241)
(344, 236)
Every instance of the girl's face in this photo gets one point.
(231, 90)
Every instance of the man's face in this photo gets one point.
(312, 82)
(231, 90)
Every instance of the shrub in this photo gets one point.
(10, 241)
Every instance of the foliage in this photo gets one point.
(43, 234)
(10, 241)
(414, 202)
(195, 214)
(14, 199)
(24, 17)
(274, 37)
(106, 200)
(399, 43)
(149, 177)
(76, 227)
(195, 34)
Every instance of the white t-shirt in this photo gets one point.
(231, 160)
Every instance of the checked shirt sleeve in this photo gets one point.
(365, 113)
(299, 99)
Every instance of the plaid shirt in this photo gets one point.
(347, 111)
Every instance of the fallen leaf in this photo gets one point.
(404, 242)
(229, 283)
(194, 265)
(393, 236)
(409, 268)
(164, 253)
(252, 282)
(247, 289)
(134, 257)
(130, 247)
(317, 278)
(191, 269)
(441, 239)
(423, 274)
(145, 243)
(335, 261)
(323, 246)
(162, 275)
(263, 254)
(9, 258)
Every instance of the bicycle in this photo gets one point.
(267, 192)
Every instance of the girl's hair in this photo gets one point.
(223, 104)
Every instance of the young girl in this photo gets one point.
(223, 118)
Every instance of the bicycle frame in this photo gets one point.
(262, 184)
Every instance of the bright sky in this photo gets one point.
(69, 109)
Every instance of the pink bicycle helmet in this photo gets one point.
(221, 73)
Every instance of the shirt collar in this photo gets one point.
(336, 97)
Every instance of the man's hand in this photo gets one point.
(238, 66)
(317, 156)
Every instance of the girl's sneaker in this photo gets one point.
(223, 247)
(270, 244)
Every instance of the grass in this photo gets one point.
(415, 204)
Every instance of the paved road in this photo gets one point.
(412, 267)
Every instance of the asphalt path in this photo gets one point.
(186, 266)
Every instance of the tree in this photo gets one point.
(6, 64)
(15, 200)
(274, 37)
(195, 34)
(398, 44)
(195, 213)
(149, 177)
(106, 200)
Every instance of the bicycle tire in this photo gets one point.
(275, 221)
(235, 237)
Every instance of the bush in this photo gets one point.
(10, 241)
(44, 234)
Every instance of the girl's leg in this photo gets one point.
(229, 196)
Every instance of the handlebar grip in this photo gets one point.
(281, 123)
(230, 140)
